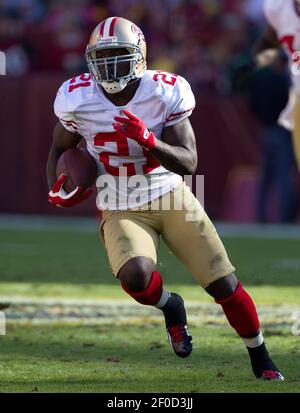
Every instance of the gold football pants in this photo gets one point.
(184, 227)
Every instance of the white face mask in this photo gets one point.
(114, 87)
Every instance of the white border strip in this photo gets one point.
(88, 224)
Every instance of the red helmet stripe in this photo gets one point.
(101, 31)
(112, 26)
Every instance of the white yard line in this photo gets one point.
(122, 312)
(263, 231)
(49, 223)
(86, 224)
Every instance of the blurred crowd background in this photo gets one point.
(44, 42)
(197, 38)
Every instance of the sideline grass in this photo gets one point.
(62, 357)
(79, 258)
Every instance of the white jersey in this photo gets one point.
(162, 99)
(282, 16)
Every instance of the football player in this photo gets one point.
(283, 17)
(137, 119)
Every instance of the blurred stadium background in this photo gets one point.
(55, 282)
(44, 42)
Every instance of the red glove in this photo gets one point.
(59, 197)
(134, 128)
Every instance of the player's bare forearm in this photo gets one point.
(268, 40)
(266, 50)
(177, 159)
(62, 140)
(263, 53)
(51, 166)
(177, 150)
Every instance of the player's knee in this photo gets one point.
(135, 275)
(223, 288)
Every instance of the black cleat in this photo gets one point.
(176, 323)
(263, 366)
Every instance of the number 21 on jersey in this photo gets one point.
(121, 143)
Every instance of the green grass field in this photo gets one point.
(71, 328)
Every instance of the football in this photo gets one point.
(79, 166)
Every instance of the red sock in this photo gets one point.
(241, 312)
(152, 294)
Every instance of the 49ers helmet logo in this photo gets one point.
(135, 29)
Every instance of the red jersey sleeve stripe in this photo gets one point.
(69, 122)
(178, 114)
